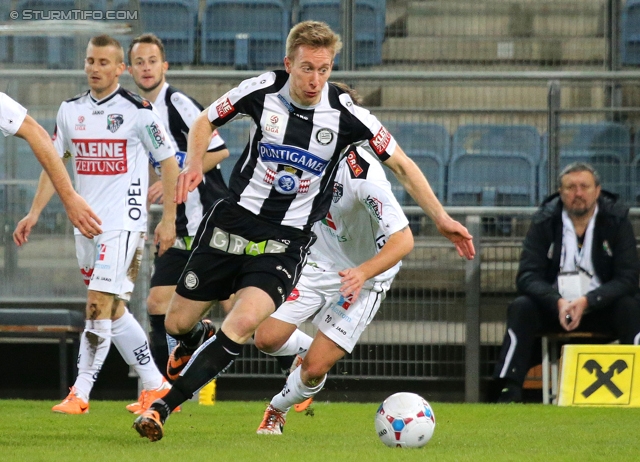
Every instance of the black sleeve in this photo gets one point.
(533, 272)
(624, 265)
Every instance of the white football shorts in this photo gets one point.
(318, 293)
(110, 261)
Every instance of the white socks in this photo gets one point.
(295, 391)
(297, 344)
(94, 347)
(131, 341)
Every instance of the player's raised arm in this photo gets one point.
(419, 189)
(197, 144)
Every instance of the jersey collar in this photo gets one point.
(106, 98)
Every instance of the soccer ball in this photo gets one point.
(405, 420)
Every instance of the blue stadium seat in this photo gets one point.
(173, 21)
(630, 32)
(368, 30)
(429, 146)
(494, 165)
(236, 137)
(605, 145)
(54, 52)
(247, 34)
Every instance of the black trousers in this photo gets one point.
(526, 321)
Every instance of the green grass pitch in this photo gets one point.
(29, 431)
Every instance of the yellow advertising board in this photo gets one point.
(600, 375)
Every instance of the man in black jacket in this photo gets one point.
(578, 271)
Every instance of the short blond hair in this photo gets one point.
(105, 40)
(314, 34)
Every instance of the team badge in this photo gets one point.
(114, 121)
(338, 190)
(324, 136)
(286, 182)
(191, 280)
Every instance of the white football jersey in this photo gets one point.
(363, 214)
(110, 141)
(12, 115)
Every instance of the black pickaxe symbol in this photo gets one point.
(604, 378)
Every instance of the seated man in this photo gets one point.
(578, 272)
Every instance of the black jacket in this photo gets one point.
(615, 258)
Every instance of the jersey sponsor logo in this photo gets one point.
(290, 155)
(328, 221)
(338, 191)
(375, 206)
(352, 162)
(80, 125)
(134, 200)
(380, 142)
(100, 157)
(102, 251)
(114, 121)
(273, 123)
(156, 135)
(97, 112)
(284, 270)
(191, 280)
(287, 182)
(224, 108)
(324, 136)
(86, 274)
(294, 295)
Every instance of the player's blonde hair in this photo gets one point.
(105, 40)
(314, 34)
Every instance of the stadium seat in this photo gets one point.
(429, 146)
(248, 34)
(630, 32)
(368, 30)
(494, 165)
(173, 21)
(54, 52)
(605, 145)
(5, 9)
(236, 137)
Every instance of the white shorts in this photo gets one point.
(110, 261)
(318, 293)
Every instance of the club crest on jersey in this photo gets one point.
(293, 156)
(338, 191)
(324, 136)
(114, 121)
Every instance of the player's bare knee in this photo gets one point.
(265, 342)
(312, 374)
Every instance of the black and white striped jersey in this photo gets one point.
(178, 111)
(285, 174)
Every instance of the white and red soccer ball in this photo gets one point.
(405, 420)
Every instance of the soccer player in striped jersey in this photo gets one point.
(148, 66)
(255, 244)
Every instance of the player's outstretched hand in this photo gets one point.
(459, 235)
(82, 217)
(23, 229)
(188, 180)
